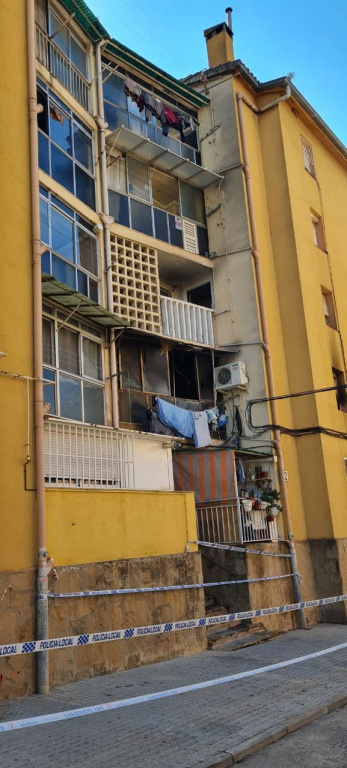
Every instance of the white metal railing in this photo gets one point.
(59, 65)
(223, 522)
(187, 322)
(81, 456)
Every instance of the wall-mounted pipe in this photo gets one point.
(106, 220)
(42, 583)
(265, 337)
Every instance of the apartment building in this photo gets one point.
(278, 234)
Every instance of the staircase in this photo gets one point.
(234, 635)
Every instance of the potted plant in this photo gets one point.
(272, 497)
(247, 504)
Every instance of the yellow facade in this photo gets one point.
(96, 526)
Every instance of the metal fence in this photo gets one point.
(62, 68)
(78, 456)
(227, 522)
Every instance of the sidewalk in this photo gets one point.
(203, 728)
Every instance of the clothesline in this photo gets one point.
(188, 423)
(154, 107)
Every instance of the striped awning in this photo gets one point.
(210, 474)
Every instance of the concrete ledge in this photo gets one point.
(270, 735)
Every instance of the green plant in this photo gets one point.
(271, 497)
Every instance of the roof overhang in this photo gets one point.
(159, 157)
(74, 301)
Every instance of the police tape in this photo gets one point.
(55, 643)
(141, 590)
(14, 725)
(245, 550)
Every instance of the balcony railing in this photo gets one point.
(82, 456)
(228, 522)
(59, 65)
(186, 322)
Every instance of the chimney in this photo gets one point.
(219, 42)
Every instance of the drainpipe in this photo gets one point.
(107, 221)
(42, 581)
(266, 343)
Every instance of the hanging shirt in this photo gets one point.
(202, 437)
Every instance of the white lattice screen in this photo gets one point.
(135, 279)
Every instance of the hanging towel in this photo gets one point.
(202, 436)
(178, 419)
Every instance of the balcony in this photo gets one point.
(102, 458)
(226, 522)
(48, 54)
(186, 322)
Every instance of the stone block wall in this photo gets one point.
(72, 616)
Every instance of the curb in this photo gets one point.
(270, 735)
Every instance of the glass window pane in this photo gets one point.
(93, 290)
(192, 200)
(41, 13)
(92, 366)
(203, 241)
(62, 168)
(63, 271)
(44, 221)
(93, 404)
(176, 235)
(116, 174)
(82, 283)
(165, 192)
(130, 365)
(68, 350)
(115, 117)
(114, 89)
(85, 187)
(138, 126)
(43, 153)
(119, 207)
(160, 225)
(62, 38)
(83, 147)
(48, 342)
(46, 263)
(78, 56)
(86, 251)
(138, 179)
(49, 389)
(58, 203)
(60, 128)
(141, 217)
(62, 235)
(205, 373)
(188, 153)
(155, 370)
(70, 398)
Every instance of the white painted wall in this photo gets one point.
(153, 463)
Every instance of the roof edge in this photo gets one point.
(281, 82)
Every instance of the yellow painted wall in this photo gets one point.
(95, 526)
(17, 506)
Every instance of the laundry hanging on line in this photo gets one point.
(168, 118)
(187, 423)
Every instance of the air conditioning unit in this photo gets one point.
(230, 376)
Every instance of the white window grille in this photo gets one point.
(135, 282)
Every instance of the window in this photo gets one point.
(66, 147)
(307, 153)
(201, 295)
(341, 394)
(73, 371)
(171, 199)
(328, 308)
(72, 253)
(318, 231)
(67, 43)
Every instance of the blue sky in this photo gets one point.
(272, 37)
